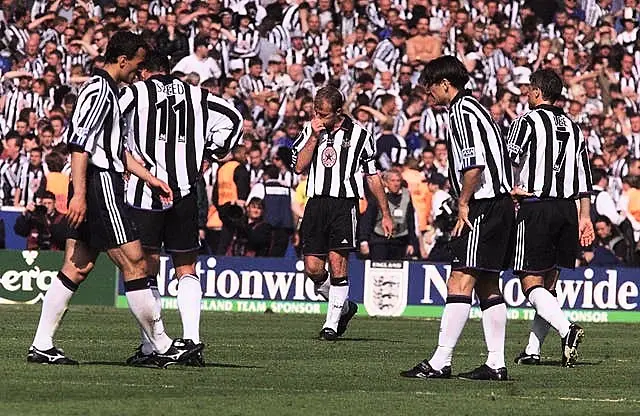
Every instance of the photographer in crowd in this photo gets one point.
(251, 235)
(403, 242)
(42, 225)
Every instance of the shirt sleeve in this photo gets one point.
(465, 131)
(368, 156)
(299, 143)
(224, 128)
(518, 139)
(88, 117)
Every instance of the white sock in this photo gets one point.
(548, 308)
(143, 306)
(189, 297)
(494, 324)
(338, 294)
(54, 306)
(147, 346)
(322, 289)
(454, 318)
(539, 331)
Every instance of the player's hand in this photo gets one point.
(77, 211)
(585, 232)
(166, 195)
(364, 248)
(409, 250)
(387, 225)
(317, 126)
(463, 218)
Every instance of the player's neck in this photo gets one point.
(112, 70)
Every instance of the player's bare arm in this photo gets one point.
(306, 155)
(133, 166)
(470, 182)
(78, 204)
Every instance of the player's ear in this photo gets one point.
(122, 61)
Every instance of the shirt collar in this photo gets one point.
(104, 74)
(459, 96)
(554, 109)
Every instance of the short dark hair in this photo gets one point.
(598, 174)
(47, 195)
(55, 161)
(255, 61)
(123, 43)
(331, 95)
(155, 61)
(549, 83)
(604, 219)
(272, 172)
(445, 67)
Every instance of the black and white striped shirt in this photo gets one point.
(386, 56)
(550, 154)
(434, 122)
(279, 36)
(14, 102)
(355, 50)
(158, 8)
(95, 125)
(32, 179)
(171, 126)
(291, 18)
(338, 160)
(246, 44)
(475, 141)
(10, 171)
(17, 37)
(249, 83)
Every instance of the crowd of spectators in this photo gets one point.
(269, 57)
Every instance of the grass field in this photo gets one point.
(272, 365)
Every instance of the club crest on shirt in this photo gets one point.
(329, 157)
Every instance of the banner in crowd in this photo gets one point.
(25, 276)
(409, 289)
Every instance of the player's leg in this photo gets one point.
(342, 223)
(454, 317)
(181, 239)
(79, 260)
(314, 269)
(189, 294)
(315, 245)
(549, 240)
(494, 324)
(539, 327)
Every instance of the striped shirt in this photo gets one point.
(15, 101)
(474, 141)
(159, 8)
(171, 126)
(246, 44)
(279, 36)
(32, 179)
(338, 160)
(434, 122)
(550, 154)
(291, 18)
(95, 125)
(386, 56)
(17, 38)
(10, 171)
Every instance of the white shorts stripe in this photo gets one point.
(353, 225)
(114, 214)
(519, 256)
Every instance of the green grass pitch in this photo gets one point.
(273, 365)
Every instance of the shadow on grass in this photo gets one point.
(366, 340)
(121, 364)
(558, 363)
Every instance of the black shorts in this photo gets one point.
(107, 223)
(176, 227)
(329, 224)
(489, 245)
(546, 236)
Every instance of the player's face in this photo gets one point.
(129, 67)
(438, 92)
(326, 114)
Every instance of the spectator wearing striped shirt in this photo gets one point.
(553, 171)
(389, 52)
(481, 179)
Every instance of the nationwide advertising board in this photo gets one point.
(409, 289)
(25, 277)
